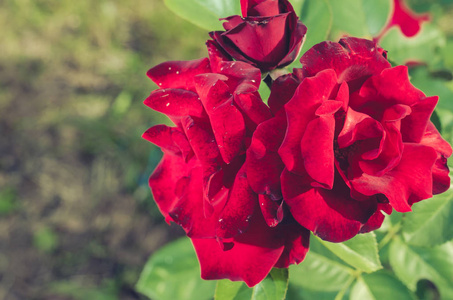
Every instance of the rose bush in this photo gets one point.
(268, 36)
(201, 183)
(350, 138)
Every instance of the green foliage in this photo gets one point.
(321, 270)
(380, 285)
(348, 18)
(273, 287)
(376, 14)
(424, 47)
(317, 16)
(360, 252)
(429, 224)
(173, 273)
(205, 13)
(412, 264)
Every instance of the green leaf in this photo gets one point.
(360, 252)
(320, 270)
(424, 47)
(377, 13)
(412, 264)
(348, 18)
(380, 285)
(232, 290)
(273, 287)
(297, 293)
(173, 273)
(430, 222)
(204, 13)
(317, 16)
(431, 86)
(297, 5)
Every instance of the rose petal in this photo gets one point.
(432, 138)
(296, 40)
(375, 221)
(353, 60)
(414, 126)
(263, 162)
(390, 87)
(410, 181)
(164, 179)
(242, 201)
(170, 139)
(178, 74)
(261, 40)
(186, 211)
(218, 103)
(253, 109)
(216, 55)
(297, 240)
(270, 210)
(330, 214)
(300, 111)
(251, 258)
(317, 149)
(176, 103)
(282, 91)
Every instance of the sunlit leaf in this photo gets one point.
(348, 19)
(321, 270)
(204, 13)
(423, 47)
(273, 287)
(430, 222)
(412, 264)
(360, 252)
(317, 16)
(173, 273)
(377, 14)
(380, 285)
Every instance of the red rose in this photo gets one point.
(201, 183)
(268, 36)
(352, 139)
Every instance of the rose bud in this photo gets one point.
(201, 183)
(350, 137)
(268, 36)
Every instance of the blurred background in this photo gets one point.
(77, 219)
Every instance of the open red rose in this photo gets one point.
(201, 183)
(268, 36)
(352, 139)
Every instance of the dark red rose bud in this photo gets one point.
(268, 36)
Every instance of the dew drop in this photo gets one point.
(177, 72)
(168, 104)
